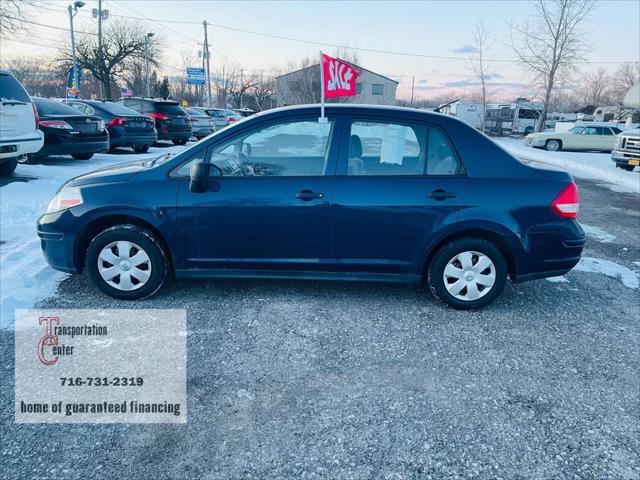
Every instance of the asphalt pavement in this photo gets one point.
(290, 379)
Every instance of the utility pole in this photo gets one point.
(206, 52)
(75, 83)
(413, 80)
(146, 61)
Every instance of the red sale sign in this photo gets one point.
(339, 78)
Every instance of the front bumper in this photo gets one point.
(57, 240)
(621, 157)
(534, 142)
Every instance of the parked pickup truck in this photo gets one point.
(626, 151)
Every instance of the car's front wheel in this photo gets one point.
(127, 262)
(467, 273)
(553, 145)
(82, 156)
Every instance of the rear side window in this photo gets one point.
(168, 108)
(10, 89)
(49, 107)
(441, 160)
(116, 109)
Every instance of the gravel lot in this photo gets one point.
(337, 380)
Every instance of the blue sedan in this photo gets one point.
(367, 193)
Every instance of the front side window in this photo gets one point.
(290, 148)
(576, 130)
(590, 131)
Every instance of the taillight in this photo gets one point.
(35, 115)
(56, 124)
(158, 116)
(117, 121)
(566, 204)
(232, 119)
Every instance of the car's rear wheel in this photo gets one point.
(180, 141)
(26, 159)
(467, 273)
(553, 145)
(127, 262)
(141, 148)
(8, 167)
(82, 156)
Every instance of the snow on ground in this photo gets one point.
(589, 165)
(25, 277)
(598, 234)
(629, 278)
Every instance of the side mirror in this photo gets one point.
(197, 177)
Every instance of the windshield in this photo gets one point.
(169, 108)
(49, 107)
(576, 130)
(114, 108)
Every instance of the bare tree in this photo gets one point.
(596, 88)
(244, 83)
(264, 92)
(13, 15)
(122, 43)
(224, 78)
(625, 77)
(552, 43)
(482, 42)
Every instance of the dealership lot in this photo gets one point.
(349, 380)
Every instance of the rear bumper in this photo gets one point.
(74, 147)
(13, 147)
(125, 139)
(202, 131)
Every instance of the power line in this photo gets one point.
(47, 26)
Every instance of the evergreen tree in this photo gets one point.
(163, 90)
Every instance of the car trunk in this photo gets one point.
(16, 118)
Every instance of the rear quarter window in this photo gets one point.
(10, 89)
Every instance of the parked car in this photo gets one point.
(201, 123)
(591, 136)
(626, 151)
(127, 128)
(19, 133)
(221, 116)
(244, 112)
(172, 122)
(375, 193)
(68, 131)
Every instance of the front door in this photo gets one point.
(398, 183)
(267, 200)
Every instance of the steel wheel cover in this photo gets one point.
(124, 265)
(469, 276)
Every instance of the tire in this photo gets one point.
(82, 156)
(628, 168)
(553, 145)
(141, 148)
(455, 255)
(125, 284)
(26, 159)
(8, 167)
(180, 141)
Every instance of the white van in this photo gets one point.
(19, 132)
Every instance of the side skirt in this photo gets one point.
(276, 274)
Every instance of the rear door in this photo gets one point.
(398, 184)
(16, 111)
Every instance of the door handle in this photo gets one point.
(306, 195)
(440, 194)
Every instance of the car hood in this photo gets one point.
(115, 173)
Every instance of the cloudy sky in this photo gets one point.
(439, 32)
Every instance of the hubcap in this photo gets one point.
(124, 265)
(469, 275)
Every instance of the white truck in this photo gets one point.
(19, 132)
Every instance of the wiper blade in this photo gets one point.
(151, 163)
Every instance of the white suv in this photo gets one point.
(19, 132)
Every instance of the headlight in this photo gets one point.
(66, 198)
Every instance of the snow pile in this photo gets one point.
(598, 234)
(25, 276)
(589, 165)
